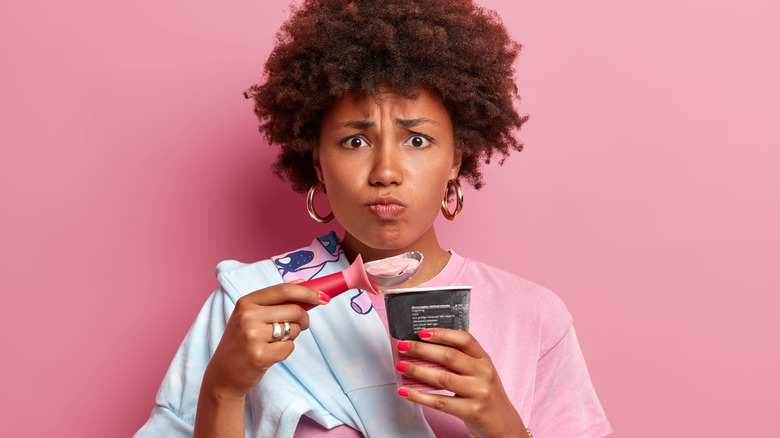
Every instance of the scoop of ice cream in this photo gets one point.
(391, 266)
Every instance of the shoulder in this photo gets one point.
(319, 257)
(505, 295)
(513, 289)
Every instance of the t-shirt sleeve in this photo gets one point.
(565, 404)
(177, 398)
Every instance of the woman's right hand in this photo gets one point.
(247, 348)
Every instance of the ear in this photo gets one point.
(315, 161)
(456, 162)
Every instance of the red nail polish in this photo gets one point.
(425, 333)
(403, 345)
(400, 366)
(324, 297)
(403, 392)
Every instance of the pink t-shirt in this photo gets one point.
(529, 336)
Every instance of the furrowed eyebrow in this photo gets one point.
(357, 124)
(406, 123)
(411, 123)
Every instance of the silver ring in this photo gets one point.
(277, 331)
(286, 331)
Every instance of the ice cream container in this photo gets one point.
(414, 309)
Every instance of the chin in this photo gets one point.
(388, 244)
(386, 240)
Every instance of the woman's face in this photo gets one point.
(385, 162)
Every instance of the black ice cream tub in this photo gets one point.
(415, 309)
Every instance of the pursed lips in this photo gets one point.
(386, 208)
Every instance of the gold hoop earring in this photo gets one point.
(459, 192)
(310, 204)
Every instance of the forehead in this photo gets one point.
(425, 104)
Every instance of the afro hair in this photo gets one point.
(329, 48)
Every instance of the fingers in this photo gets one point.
(447, 404)
(279, 351)
(284, 293)
(263, 355)
(279, 303)
(447, 359)
(437, 376)
(463, 341)
(454, 354)
(249, 316)
(284, 331)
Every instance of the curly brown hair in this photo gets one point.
(329, 48)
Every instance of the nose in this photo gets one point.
(387, 167)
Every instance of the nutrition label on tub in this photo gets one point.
(411, 310)
(449, 316)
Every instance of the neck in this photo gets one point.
(434, 256)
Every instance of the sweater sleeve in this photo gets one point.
(177, 398)
(565, 404)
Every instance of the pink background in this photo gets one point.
(647, 198)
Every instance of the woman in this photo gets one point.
(387, 106)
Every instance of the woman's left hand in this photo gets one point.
(479, 400)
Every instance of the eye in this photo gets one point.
(418, 141)
(354, 142)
